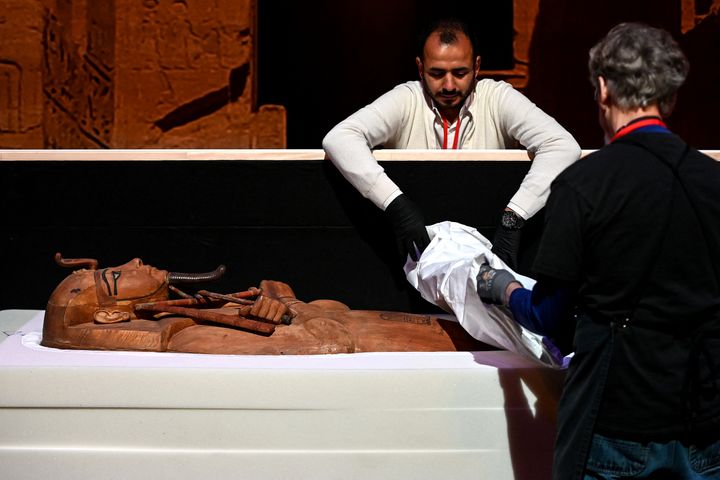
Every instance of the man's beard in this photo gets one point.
(456, 97)
(449, 99)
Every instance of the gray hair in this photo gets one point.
(642, 66)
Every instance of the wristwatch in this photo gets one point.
(511, 220)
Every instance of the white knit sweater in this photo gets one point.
(494, 116)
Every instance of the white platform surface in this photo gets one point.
(80, 414)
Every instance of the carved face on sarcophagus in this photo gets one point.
(107, 295)
(128, 308)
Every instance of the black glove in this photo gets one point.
(409, 225)
(492, 283)
(507, 238)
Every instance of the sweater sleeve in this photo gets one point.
(545, 308)
(348, 145)
(550, 146)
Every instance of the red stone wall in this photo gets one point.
(188, 76)
(137, 74)
(21, 103)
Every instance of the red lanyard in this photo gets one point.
(632, 126)
(445, 133)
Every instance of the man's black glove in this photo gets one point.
(507, 238)
(409, 225)
(492, 283)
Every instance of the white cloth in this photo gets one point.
(445, 275)
(495, 116)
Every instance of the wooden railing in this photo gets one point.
(267, 154)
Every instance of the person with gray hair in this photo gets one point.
(639, 66)
(629, 258)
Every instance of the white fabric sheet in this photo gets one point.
(446, 276)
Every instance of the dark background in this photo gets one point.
(300, 222)
(325, 59)
(311, 230)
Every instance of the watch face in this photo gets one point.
(512, 221)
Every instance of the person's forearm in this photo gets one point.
(534, 190)
(348, 150)
(550, 146)
(349, 145)
(541, 309)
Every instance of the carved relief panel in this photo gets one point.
(134, 74)
(10, 81)
(194, 77)
(20, 77)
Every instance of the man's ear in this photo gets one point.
(419, 64)
(110, 316)
(603, 94)
(476, 67)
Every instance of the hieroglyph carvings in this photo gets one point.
(78, 91)
(192, 70)
(20, 76)
(10, 82)
(132, 74)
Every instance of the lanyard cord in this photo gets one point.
(445, 133)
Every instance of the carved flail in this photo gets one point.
(236, 298)
(235, 320)
(179, 292)
(182, 302)
(264, 309)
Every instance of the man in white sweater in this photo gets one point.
(449, 108)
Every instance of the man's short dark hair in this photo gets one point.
(448, 29)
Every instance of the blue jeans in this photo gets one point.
(612, 459)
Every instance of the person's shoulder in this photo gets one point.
(589, 166)
(667, 146)
(408, 92)
(711, 162)
(408, 96)
(497, 92)
(488, 85)
(413, 86)
(704, 158)
(615, 159)
(702, 162)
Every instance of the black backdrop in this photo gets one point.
(324, 59)
(295, 221)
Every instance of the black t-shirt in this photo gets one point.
(622, 229)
